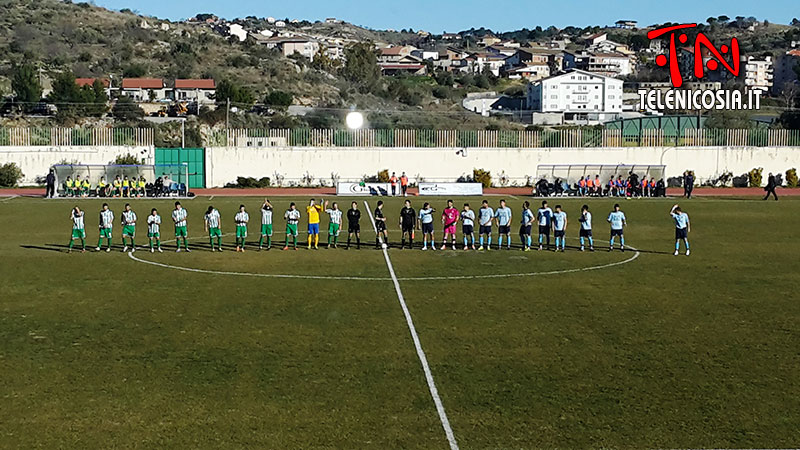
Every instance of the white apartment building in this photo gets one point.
(758, 73)
(579, 96)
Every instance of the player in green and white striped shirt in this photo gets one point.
(78, 229)
(292, 216)
(241, 220)
(106, 224)
(213, 222)
(128, 227)
(335, 225)
(179, 218)
(266, 224)
(154, 229)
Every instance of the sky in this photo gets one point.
(437, 16)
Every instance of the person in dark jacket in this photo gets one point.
(688, 184)
(50, 192)
(770, 187)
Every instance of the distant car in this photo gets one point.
(262, 110)
(44, 109)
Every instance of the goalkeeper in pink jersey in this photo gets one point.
(450, 217)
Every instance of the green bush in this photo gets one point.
(10, 174)
(127, 160)
(791, 178)
(383, 176)
(441, 92)
(250, 183)
(754, 177)
(483, 177)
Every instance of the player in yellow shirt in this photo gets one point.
(103, 188)
(117, 186)
(313, 211)
(126, 187)
(141, 190)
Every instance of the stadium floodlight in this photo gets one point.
(354, 120)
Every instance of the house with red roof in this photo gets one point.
(144, 89)
(194, 90)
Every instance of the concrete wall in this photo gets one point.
(224, 164)
(36, 161)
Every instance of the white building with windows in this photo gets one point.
(758, 73)
(577, 96)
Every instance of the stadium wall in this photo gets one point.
(35, 161)
(225, 164)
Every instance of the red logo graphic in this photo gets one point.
(701, 42)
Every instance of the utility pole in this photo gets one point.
(228, 114)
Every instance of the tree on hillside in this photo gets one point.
(26, 86)
(238, 95)
(74, 100)
(361, 67)
(127, 109)
(279, 99)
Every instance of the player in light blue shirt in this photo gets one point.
(560, 228)
(586, 228)
(618, 222)
(682, 228)
(525, 227)
(426, 223)
(545, 216)
(503, 216)
(485, 219)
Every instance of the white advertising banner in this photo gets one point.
(473, 189)
(363, 189)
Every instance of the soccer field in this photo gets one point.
(305, 349)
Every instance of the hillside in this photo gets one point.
(91, 41)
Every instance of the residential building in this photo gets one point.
(530, 71)
(237, 30)
(784, 70)
(626, 24)
(395, 54)
(451, 37)
(757, 73)
(578, 96)
(611, 64)
(488, 40)
(291, 45)
(144, 89)
(200, 91)
(399, 59)
(596, 38)
(487, 61)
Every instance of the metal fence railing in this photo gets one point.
(568, 138)
(412, 138)
(67, 137)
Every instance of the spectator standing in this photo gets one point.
(688, 184)
(404, 184)
(770, 187)
(51, 184)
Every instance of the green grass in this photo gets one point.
(101, 351)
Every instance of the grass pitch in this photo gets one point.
(99, 350)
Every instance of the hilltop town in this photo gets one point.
(121, 67)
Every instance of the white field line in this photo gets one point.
(5, 199)
(354, 278)
(451, 439)
(247, 274)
